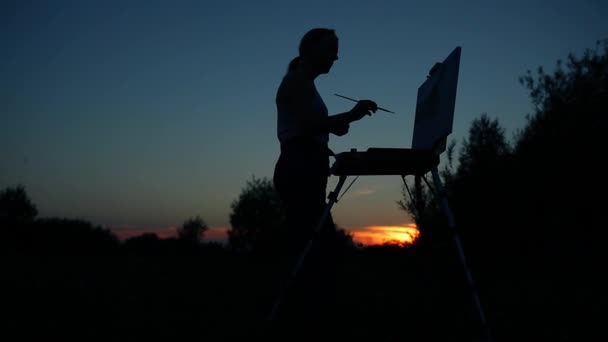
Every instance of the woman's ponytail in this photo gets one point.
(293, 64)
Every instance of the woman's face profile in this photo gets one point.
(326, 54)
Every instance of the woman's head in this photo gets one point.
(319, 49)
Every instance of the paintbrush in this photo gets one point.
(379, 108)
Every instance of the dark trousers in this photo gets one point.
(300, 179)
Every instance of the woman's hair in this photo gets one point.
(309, 42)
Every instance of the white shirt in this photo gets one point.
(298, 100)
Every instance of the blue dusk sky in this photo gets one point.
(137, 115)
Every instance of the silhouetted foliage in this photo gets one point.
(533, 231)
(257, 217)
(62, 236)
(258, 220)
(16, 207)
(480, 189)
(484, 150)
(344, 238)
(558, 154)
(192, 230)
(585, 78)
(563, 144)
(144, 244)
(419, 202)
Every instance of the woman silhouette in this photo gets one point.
(301, 172)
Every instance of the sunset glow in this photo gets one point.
(124, 232)
(378, 235)
(403, 235)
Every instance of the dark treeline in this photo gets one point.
(529, 210)
(68, 276)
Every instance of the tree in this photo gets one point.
(257, 217)
(419, 202)
(565, 136)
(558, 156)
(585, 78)
(561, 146)
(63, 236)
(484, 150)
(16, 207)
(475, 184)
(192, 230)
(258, 221)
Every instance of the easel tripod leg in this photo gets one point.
(443, 201)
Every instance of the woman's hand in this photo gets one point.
(363, 108)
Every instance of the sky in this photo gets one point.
(137, 115)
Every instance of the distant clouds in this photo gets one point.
(219, 234)
(359, 193)
(364, 192)
(127, 231)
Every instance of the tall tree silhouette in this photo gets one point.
(481, 172)
(558, 157)
(481, 192)
(192, 230)
(564, 138)
(16, 206)
(257, 217)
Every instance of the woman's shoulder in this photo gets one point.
(295, 82)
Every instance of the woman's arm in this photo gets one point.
(297, 99)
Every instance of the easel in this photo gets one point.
(422, 163)
(436, 96)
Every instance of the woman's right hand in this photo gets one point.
(363, 108)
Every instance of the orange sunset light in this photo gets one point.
(378, 235)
